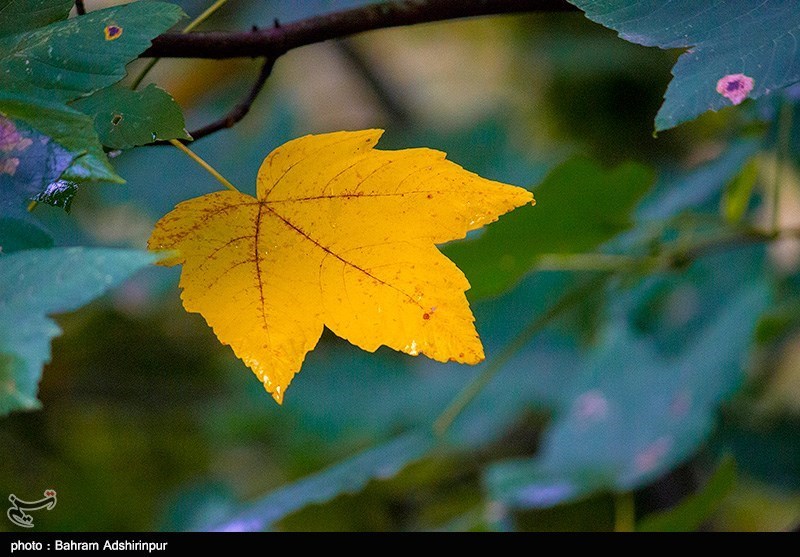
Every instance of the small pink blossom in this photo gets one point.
(735, 87)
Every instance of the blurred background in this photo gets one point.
(674, 387)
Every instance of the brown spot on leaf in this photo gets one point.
(426, 316)
(112, 32)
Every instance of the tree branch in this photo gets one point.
(274, 42)
(80, 9)
(239, 111)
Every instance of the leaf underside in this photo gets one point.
(725, 38)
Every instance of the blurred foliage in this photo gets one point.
(149, 423)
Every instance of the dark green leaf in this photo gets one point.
(381, 462)
(634, 412)
(29, 161)
(578, 206)
(690, 514)
(17, 235)
(59, 194)
(72, 130)
(65, 60)
(17, 16)
(724, 38)
(125, 118)
(39, 282)
(69, 59)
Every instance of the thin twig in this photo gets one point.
(474, 387)
(80, 9)
(207, 167)
(208, 12)
(385, 95)
(274, 42)
(240, 110)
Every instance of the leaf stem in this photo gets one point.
(188, 29)
(784, 136)
(588, 261)
(208, 168)
(624, 512)
(474, 387)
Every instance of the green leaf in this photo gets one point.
(29, 161)
(72, 58)
(690, 514)
(736, 198)
(634, 412)
(578, 206)
(724, 38)
(66, 149)
(17, 16)
(381, 462)
(17, 235)
(71, 130)
(64, 60)
(39, 282)
(125, 118)
(59, 194)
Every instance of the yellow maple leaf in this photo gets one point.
(339, 234)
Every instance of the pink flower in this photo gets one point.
(735, 87)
